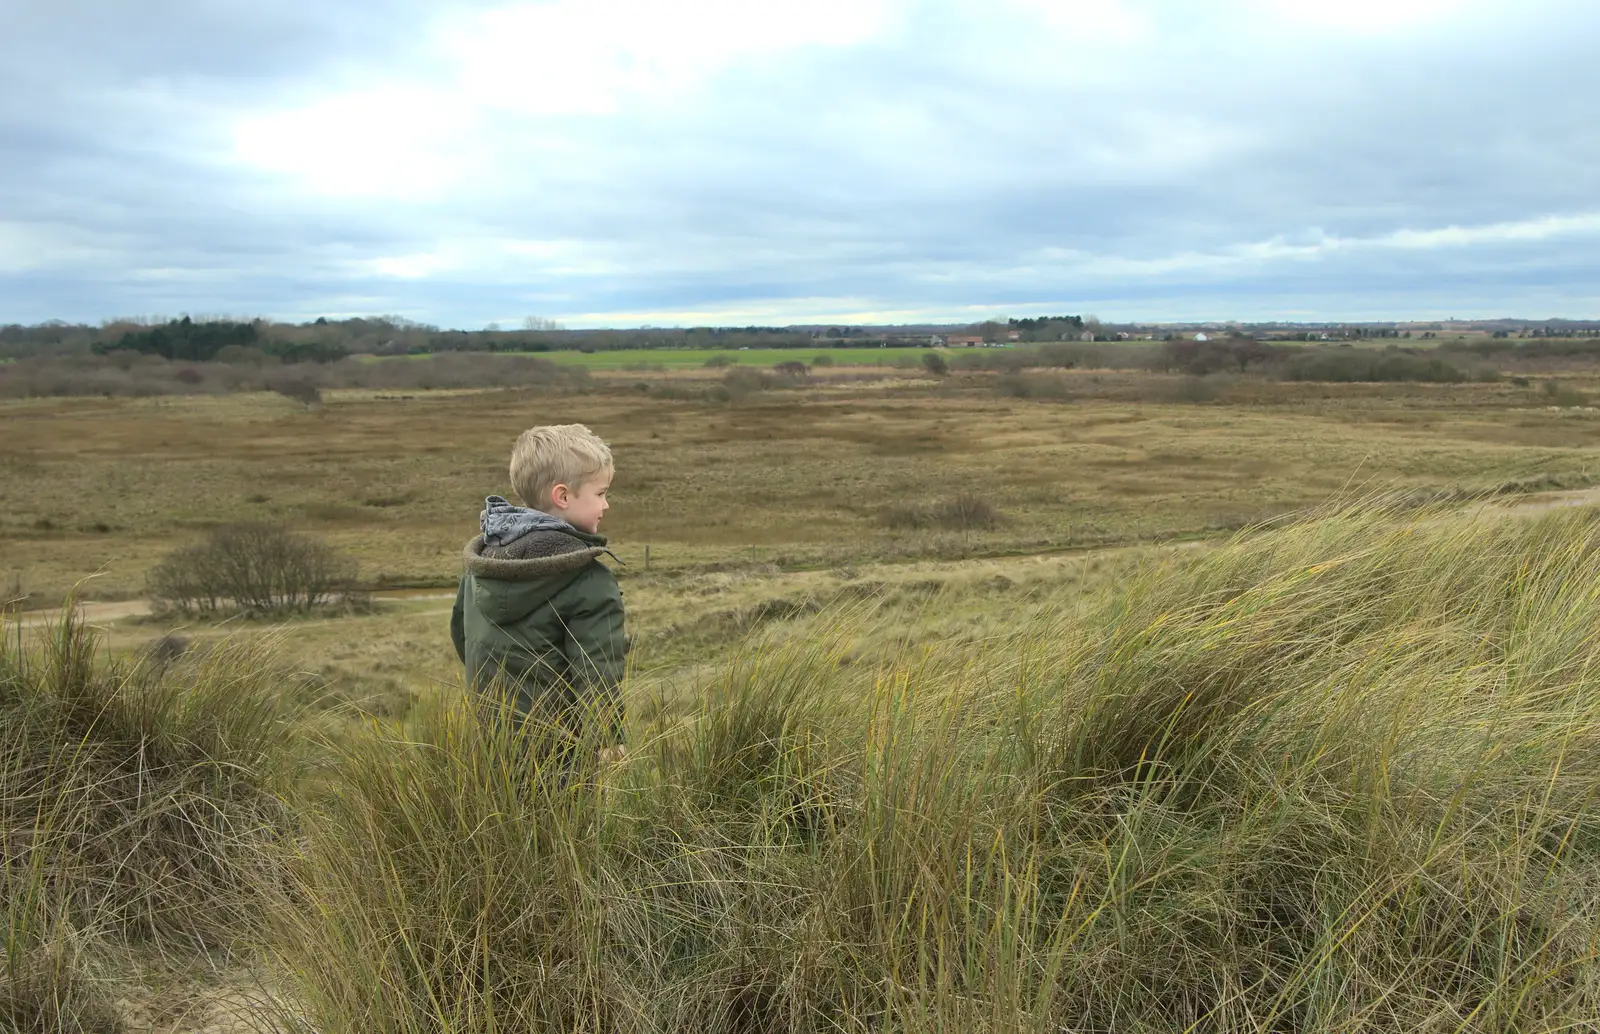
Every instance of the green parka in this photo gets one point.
(538, 623)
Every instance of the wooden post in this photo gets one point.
(647, 556)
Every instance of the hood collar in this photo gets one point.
(503, 523)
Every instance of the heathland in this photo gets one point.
(933, 726)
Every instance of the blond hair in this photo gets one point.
(557, 454)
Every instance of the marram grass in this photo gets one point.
(139, 814)
(1339, 776)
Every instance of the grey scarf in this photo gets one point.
(503, 523)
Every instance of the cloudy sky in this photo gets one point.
(630, 162)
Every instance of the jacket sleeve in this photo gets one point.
(596, 648)
(458, 628)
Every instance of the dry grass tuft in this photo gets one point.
(137, 801)
(52, 997)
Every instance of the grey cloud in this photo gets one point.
(929, 171)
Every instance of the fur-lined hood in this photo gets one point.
(538, 554)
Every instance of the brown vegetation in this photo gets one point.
(795, 477)
(965, 512)
(257, 568)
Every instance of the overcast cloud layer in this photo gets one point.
(627, 162)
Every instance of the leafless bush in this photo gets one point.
(298, 388)
(967, 512)
(257, 568)
(791, 368)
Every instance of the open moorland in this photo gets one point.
(957, 703)
(782, 497)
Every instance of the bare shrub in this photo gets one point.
(934, 364)
(717, 362)
(300, 388)
(966, 512)
(257, 568)
(791, 368)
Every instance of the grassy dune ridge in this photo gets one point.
(140, 814)
(1334, 777)
(1337, 775)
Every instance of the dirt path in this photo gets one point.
(105, 613)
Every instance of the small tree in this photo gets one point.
(934, 364)
(262, 568)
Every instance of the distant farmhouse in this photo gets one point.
(964, 340)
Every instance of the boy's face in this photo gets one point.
(584, 507)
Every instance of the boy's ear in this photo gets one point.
(561, 496)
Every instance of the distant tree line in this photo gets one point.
(324, 339)
(188, 341)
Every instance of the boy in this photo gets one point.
(538, 617)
